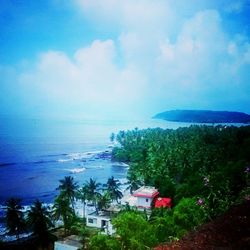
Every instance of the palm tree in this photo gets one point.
(103, 201)
(14, 216)
(133, 182)
(92, 188)
(63, 210)
(113, 189)
(40, 222)
(68, 188)
(83, 195)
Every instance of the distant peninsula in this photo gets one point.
(203, 116)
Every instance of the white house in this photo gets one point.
(145, 196)
(100, 220)
(142, 198)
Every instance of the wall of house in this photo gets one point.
(94, 221)
(144, 202)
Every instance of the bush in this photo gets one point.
(104, 242)
(188, 214)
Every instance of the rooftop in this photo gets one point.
(163, 202)
(146, 191)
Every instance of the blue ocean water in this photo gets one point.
(36, 154)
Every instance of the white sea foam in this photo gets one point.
(79, 156)
(64, 160)
(77, 170)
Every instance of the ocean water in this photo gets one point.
(36, 154)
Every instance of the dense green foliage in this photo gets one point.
(204, 169)
(134, 231)
(104, 242)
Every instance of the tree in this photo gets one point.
(133, 182)
(134, 231)
(68, 187)
(104, 242)
(15, 222)
(62, 210)
(83, 195)
(188, 214)
(103, 201)
(92, 191)
(40, 222)
(113, 189)
(162, 221)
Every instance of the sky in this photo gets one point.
(123, 58)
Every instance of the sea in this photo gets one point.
(36, 153)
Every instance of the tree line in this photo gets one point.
(41, 219)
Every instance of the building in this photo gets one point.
(163, 202)
(101, 220)
(145, 196)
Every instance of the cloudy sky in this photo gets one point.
(123, 58)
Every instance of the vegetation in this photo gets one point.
(15, 222)
(134, 231)
(204, 169)
(68, 189)
(113, 189)
(63, 210)
(40, 222)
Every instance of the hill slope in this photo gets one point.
(203, 116)
(229, 231)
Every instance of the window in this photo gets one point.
(146, 200)
(92, 220)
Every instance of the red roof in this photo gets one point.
(147, 192)
(163, 202)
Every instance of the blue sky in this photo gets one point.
(114, 58)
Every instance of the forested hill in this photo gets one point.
(204, 116)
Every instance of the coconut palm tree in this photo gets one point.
(103, 201)
(63, 210)
(92, 188)
(112, 187)
(15, 222)
(68, 188)
(133, 182)
(40, 222)
(83, 195)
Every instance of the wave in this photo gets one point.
(77, 170)
(80, 156)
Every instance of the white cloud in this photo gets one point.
(90, 78)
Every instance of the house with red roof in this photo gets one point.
(145, 196)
